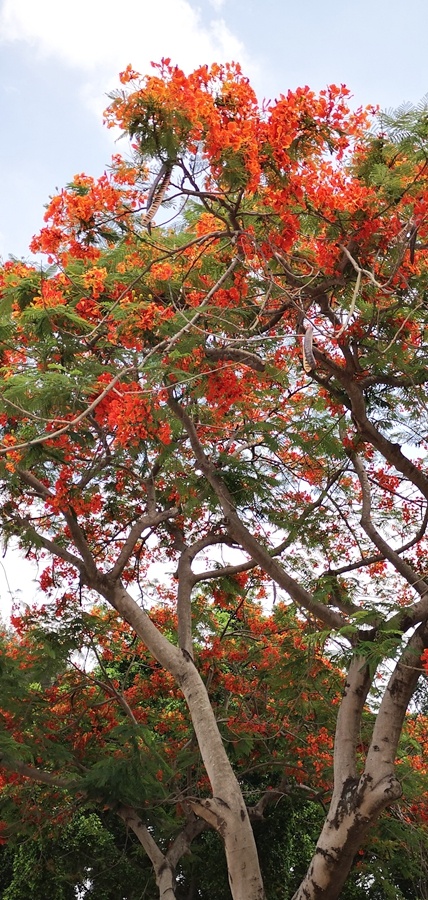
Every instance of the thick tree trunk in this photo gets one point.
(164, 871)
(225, 810)
(349, 819)
(358, 800)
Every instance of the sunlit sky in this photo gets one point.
(59, 59)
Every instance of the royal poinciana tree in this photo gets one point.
(120, 722)
(114, 734)
(233, 400)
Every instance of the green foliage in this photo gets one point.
(87, 855)
(155, 415)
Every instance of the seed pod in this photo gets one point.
(309, 363)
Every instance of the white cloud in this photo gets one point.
(89, 34)
(98, 38)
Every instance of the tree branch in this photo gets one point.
(54, 548)
(389, 450)
(244, 537)
(148, 521)
(241, 356)
(164, 871)
(182, 843)
(357, 685)
(40, 775)
(412, 577)
(375, 558)
(76, 532)
(392, 710)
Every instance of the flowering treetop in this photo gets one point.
(232, 394)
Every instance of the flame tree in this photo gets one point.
(234, 396)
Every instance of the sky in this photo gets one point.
(60, 58)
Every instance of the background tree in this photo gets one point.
(155, 409)
(278, 731)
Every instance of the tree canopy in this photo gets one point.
(213, 402)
